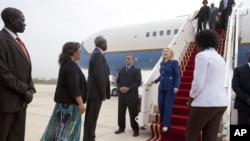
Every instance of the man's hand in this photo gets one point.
(124, 89)
(28, 96)
(248, 101)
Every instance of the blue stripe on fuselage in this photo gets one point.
(145, 60)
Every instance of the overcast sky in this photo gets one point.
(51, 23)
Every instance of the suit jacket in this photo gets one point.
(213, 14)
(71, 83)
(98, 77)
(228, 7)
(15, 75)
(241, 86)
(130, 79)
(169, 75)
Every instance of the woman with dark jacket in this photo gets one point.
(65, 122)
(203, 16)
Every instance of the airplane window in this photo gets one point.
(147, 34)
(154, 33)
(175, 31)
(161, 33)
(168, 32)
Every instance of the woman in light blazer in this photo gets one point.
(208, 98)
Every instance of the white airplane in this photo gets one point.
(146, 41)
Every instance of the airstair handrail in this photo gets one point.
(150, 92)
(231, 43)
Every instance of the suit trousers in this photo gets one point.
(165, 104)
(133, 112)
(212, 25)
(93, 107)
(13, 126)
(224, 18)
(206, 120)
(243, 117)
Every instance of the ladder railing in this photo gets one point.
(150, 92)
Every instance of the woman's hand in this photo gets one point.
(176, 90)
(82, 108)
(152, 82)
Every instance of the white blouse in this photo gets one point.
(208, 83)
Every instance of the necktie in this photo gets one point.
(127, 68)
(20, 44)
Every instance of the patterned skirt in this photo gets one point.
(64, 124)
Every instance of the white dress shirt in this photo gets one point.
(208, 84)
(225, 4)
(11, 33)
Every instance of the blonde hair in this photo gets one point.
(171, 53)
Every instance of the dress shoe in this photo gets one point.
(164, 129)
(119, 131)
(136, 133)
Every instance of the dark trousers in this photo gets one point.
(133, 112)
(212, 25)
(93, 107)
(206, 120)
(243, 117)
(201, 24)
(12, 126)
(224, 18)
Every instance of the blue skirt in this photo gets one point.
(64, 124)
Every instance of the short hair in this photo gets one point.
(99, 40)
(68, 50)
(9, 12)
(204, 1)
(130, 55)
(206, 38)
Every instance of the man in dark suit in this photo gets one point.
(128, 81)
(213, 18)
(98, 87)
(225, 8)
(241, 86)
(16, 86)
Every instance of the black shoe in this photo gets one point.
(136, 133)
(119, 131)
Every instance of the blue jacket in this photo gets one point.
(169, 75)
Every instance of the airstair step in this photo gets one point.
(182, 110)
(185, 85)
(180, 100)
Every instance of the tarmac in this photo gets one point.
(40, 110)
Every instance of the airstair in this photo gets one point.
(184, 51)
